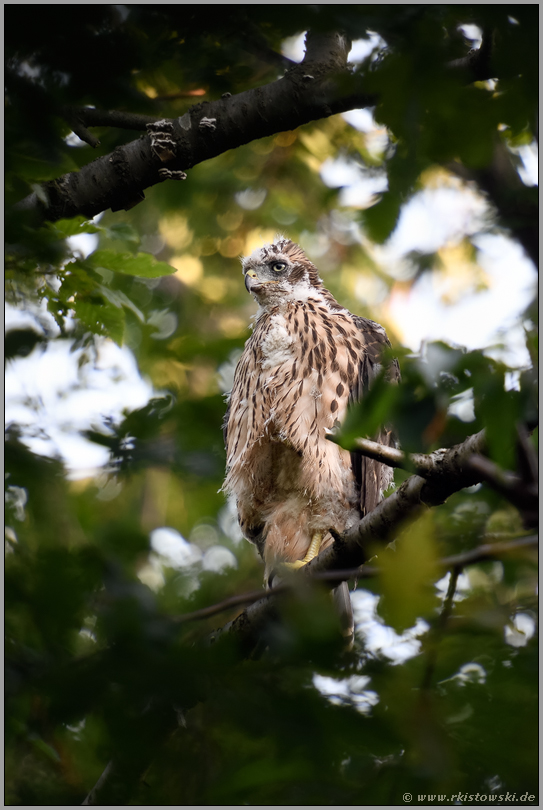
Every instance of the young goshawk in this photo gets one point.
(306, 360)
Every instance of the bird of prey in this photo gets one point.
(306, 360)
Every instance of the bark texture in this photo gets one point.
(318, 87)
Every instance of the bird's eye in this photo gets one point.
(278, 267)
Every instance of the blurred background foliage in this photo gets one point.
(99, 562)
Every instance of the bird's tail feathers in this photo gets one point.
(342, 601)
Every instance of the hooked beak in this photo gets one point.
(251, 280)
(253, 283)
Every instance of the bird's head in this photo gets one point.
(279, 271)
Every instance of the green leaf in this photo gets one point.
(102, 318)
(72, 227)
(380, 220)
(45, 749)
(365, 418)
(407, 575)
(122, 231)
(500, 411)
(142, 264)
(119, 299)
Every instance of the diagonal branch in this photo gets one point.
(318, 87)
(487, 551)
(79, 118)
(422, 463)
(523, 494)
(521, 490)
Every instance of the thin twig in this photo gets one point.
(459, 561)
(421, 463)
(92, 117)
(232, 601)
(488, 551)
(440, 463)
(433, 639)
(465, 457)
(520, 492)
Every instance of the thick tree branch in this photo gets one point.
(448, 471)
(521, 490)
(80, 118)
(318, 87)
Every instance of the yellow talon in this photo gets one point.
(293, 566)
(314, 548)
(311, 553)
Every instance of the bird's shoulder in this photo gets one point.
(374, 337)
(372, 345)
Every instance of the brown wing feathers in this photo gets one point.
(371, 477)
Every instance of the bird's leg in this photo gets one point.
(311, 553)
(314, 547)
